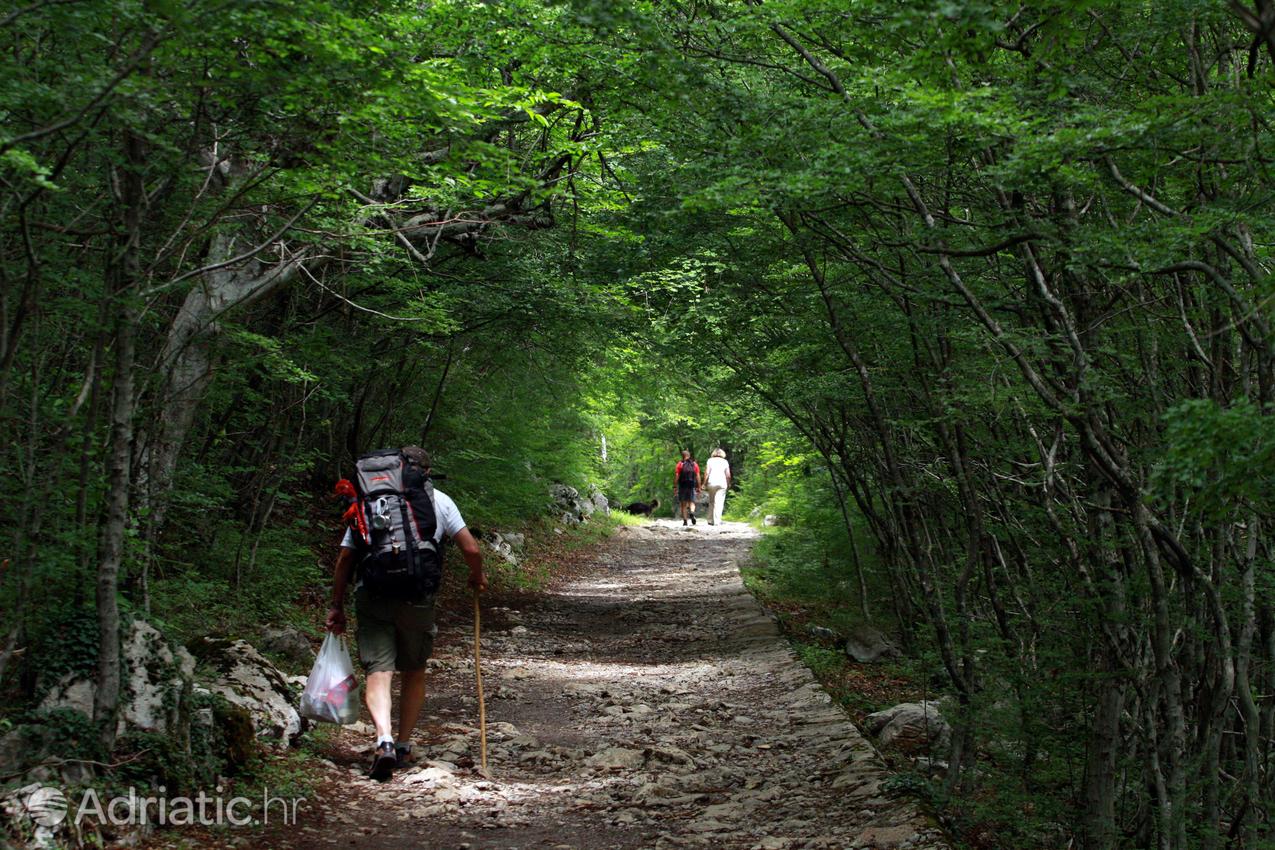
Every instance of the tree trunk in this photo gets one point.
(123, 274)
(187, 362)
(111, 547)
(1100, 767)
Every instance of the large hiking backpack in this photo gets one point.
(687, 477)
(394, 516)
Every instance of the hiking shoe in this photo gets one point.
(403, 754)
(384, 762)
(692, 520)
(683, 523)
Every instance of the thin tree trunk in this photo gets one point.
(24, 564)
(1247, 705)
(438, 394)
(123, 400)
(840, 495)
(1100, 765)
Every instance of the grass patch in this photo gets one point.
(619, 517)
(824, 663)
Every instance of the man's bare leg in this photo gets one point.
(378, 701)
(411, 699)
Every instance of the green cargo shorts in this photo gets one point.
(393, 634)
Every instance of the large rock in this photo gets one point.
(244, 678)
(288, 643)
(501, 546)
(912, 728)
(867, 644)
(563, 501)
(155, 689)
(571, 507)
(616, 758)
(564, 497)
(600, 502)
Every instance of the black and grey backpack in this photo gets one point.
(395, 518)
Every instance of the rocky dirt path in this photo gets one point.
(648, 703)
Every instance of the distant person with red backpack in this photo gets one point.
(393, 550)
(689, 481)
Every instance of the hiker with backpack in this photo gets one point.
(689, 481)
(393, 550)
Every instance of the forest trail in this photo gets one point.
(649, 702)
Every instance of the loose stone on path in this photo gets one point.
(650, 703)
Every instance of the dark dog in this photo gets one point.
(642, 508)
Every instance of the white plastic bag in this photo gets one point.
(331, 693)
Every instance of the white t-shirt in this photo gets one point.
(447, 520)
(716, 472)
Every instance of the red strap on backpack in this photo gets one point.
(354, 512)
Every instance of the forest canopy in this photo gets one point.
(978, 293)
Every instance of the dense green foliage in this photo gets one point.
(977, 294)
(1006, 270)
(243, 244)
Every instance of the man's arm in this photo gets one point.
(340, 580)
(473, 556)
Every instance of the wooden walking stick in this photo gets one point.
(478, 675)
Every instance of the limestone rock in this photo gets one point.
(616, 758)
(600, 502)
(913, 728)
(432, 777)
(156, 684)
(246, 679)
(500, 545)
(564, 500)
(573, 508)
(821, 633)
(867, 644)
(288, 643)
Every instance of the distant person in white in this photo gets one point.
(717, 480)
